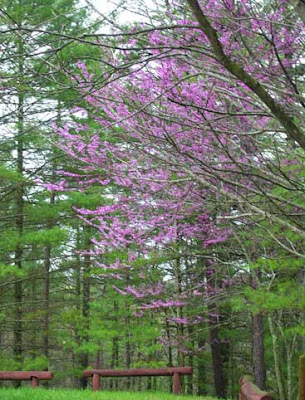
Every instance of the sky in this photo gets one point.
(105, 7)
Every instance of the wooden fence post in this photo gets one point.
(96, 382)
(35, 381)
(302, 377)
(176, 383)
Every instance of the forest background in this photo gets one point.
(152, 187)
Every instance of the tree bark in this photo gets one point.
(218, 368)
(17, 346)
(201, 366)
(46, 290)
(127, 352)
(180, 330)
(190, 378)
(115, 352)
(301, 282)
(258, 351)
(114, 360)
(84, 357)
(276, 353)
(220, 380)
(301, 393)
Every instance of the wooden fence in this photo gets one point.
(249, 391)
(175, 372)
(33, 376)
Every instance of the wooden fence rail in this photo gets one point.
(249, 391)
(33, 376)
(175, 372)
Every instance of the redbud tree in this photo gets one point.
(201, 134)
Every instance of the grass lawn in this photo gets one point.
(71, 394)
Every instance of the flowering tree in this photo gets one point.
(204, 100)
(200, 133)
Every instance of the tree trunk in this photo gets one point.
(190, 360)
(290, 347)
(258, 351)
(301, 282)
(114, 360)
(127, 352)
(180, 329)
(220, 380)
(115, 352)
(258, 340)
(84, 356)
(290, 353)
(170, 352)
(78, 289)
(46, 290)
(276, 353)
(18, 289)
(201, 366)
(46, 301)
(218, 367)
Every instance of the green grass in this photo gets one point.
(72, 394)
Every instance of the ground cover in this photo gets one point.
(72, 394)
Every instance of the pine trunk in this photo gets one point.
(127, 352)
(46, 290)
(202, 375)
(258, 351)
(218, 367)
(84, 357)
(18, 289)
(276, 355)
